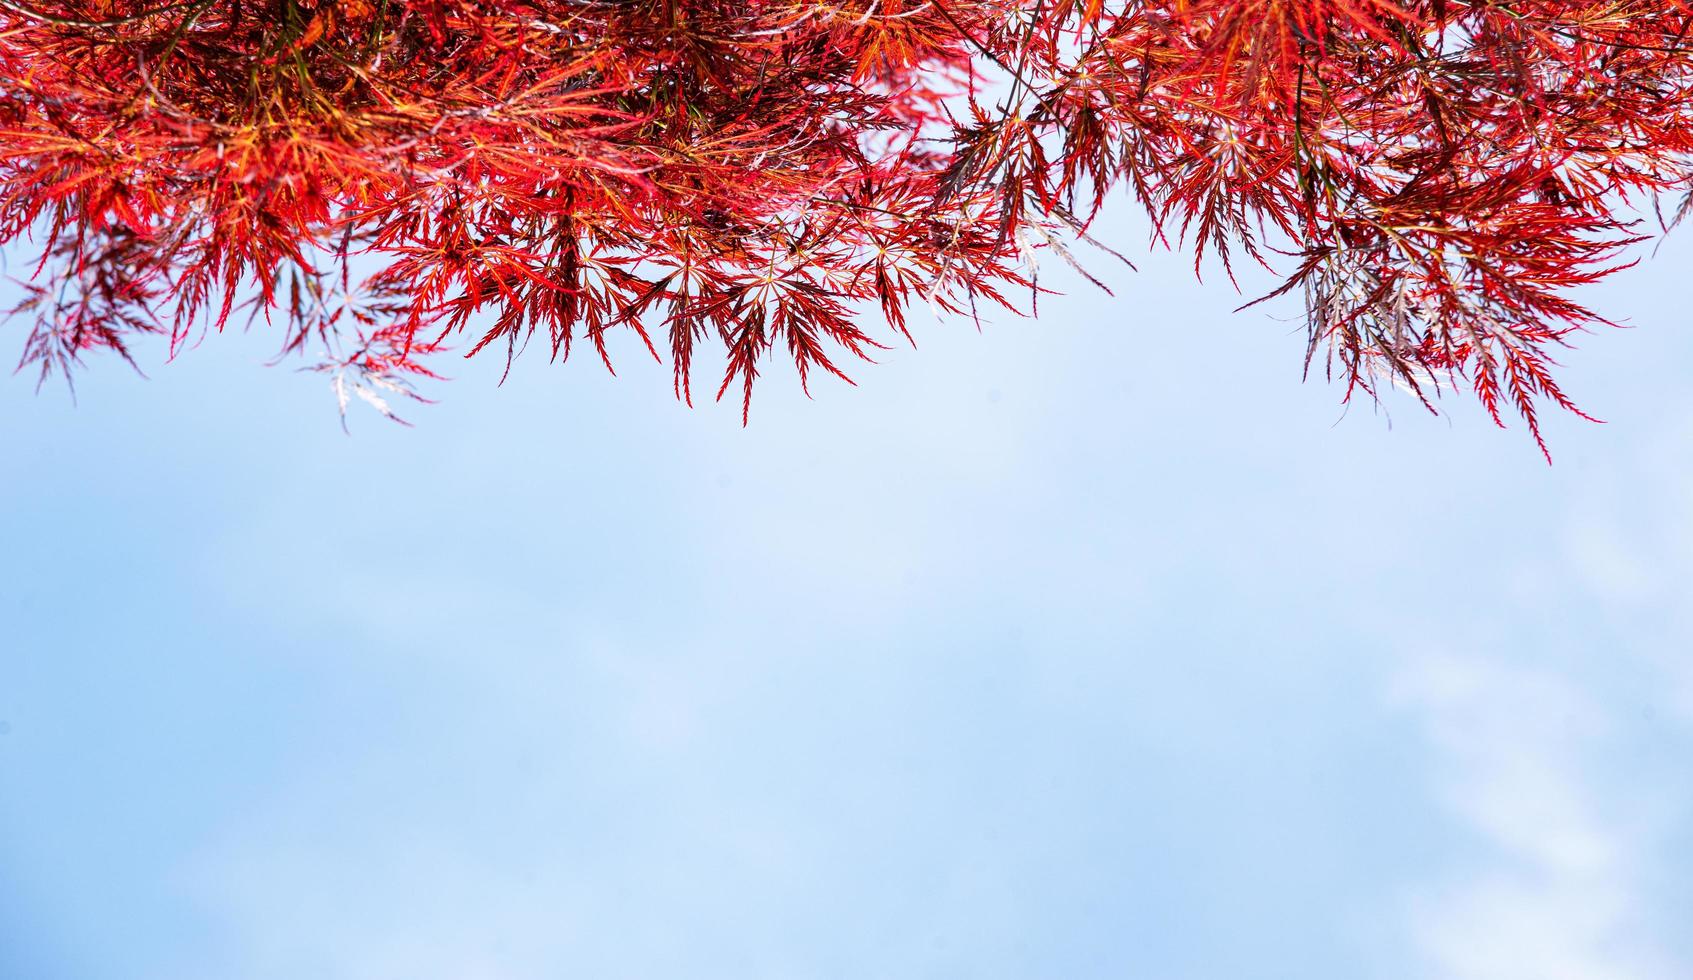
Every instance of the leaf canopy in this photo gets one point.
(758, 176)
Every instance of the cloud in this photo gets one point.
(1558, 892)
(1629, 540)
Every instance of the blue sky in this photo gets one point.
(1087, 646)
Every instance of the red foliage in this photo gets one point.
(750, 174)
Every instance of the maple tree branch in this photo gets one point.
(59, 21)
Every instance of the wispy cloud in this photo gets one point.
(1556, 892)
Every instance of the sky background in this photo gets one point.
(1092, 646)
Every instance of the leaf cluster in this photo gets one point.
(755, 176)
